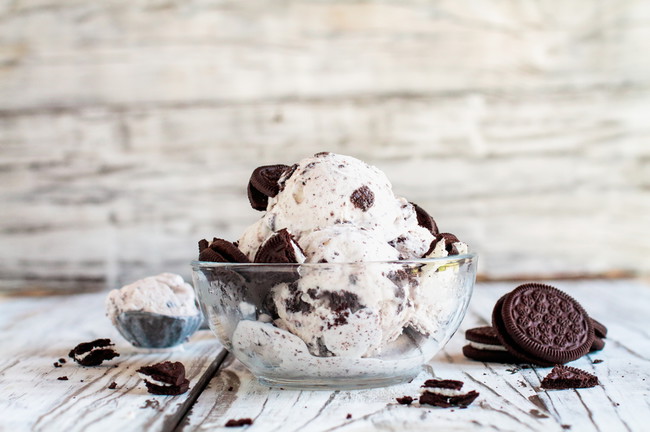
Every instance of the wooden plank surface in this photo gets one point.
(36, 332)
(510, 399)
(513, 123)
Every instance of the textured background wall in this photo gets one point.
(128, 129)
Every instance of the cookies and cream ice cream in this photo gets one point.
(353, 296)
(164, 294)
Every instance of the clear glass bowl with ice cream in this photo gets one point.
(340, 284)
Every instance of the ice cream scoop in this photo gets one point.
(155, 312)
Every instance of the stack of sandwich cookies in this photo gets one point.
(484, 345)
(165, 378)
(542, 325)
(536, 324)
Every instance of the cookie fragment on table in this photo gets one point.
(446, 394)
(93, 353)
(165, 378)
(239, 422)
(542, 325)
(567, 377)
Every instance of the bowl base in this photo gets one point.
(343, 383)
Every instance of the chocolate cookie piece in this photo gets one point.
(484, 345)
(165, 378)
(363, 198)
(542, 325)
(280, 248)
(286, 176)
(239, 422)
(264, 184)
(443, 384)
(93, 353)
(597, 345)
(404, 400)
(567, 377)
(425, 220)
(449, 239)
(599, 329)
(446, 393)
(440, 400)
(220, 250)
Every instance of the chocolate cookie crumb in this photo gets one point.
(363, 198)
(239, 422)
(151, 403)
(596, 361)
(112, 386)
(348, 417)
(62, 378)
(56, 364)
(62, 360)
(404, 400)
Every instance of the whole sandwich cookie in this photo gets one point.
(484, 345)
(542, 325)
(446, 393)
(165, 378)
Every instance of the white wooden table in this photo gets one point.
(36, 332)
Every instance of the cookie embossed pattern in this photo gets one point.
(339, 284)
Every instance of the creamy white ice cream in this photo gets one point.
(341, 210)
(165, 294)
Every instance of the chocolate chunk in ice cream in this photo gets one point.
(220, 250)
(425, 220)
(363, 198)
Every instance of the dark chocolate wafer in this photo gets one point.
(449, 239)
(597, 345)
(165, 378)
(511, 346)
(567, 377)
(599, 329)
(425, 220)
(542, 324)
(484, 345)
(220, 250)
(264, 184)
(280, 248)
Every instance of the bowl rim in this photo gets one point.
(196, 264)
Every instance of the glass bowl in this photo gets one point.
(335, 325)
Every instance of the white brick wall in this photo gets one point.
(128, 129)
